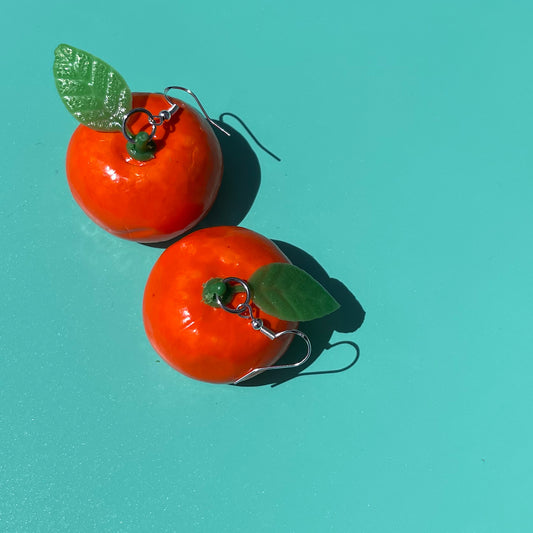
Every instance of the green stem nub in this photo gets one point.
(213, 288)
(142, 148)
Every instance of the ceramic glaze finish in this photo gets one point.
(404, 131)
(201, 341)
(154, 200)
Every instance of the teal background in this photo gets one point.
(404, 131)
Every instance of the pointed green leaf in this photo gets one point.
(94, 93)
(287, 292)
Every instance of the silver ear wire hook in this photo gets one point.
(188, 91)
(164, 115)
(244, 310)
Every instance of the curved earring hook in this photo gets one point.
(188, 91)
(244, 310)
(164, 115)
(271, 335)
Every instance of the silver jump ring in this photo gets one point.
(151, 120)
(244, 310)
(243, 306)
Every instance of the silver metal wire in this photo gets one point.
(151, 117)
(188, 91)
(243, 307)
(244, 310)
(164, 115)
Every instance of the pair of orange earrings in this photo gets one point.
(147, 167)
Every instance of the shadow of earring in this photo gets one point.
(347, 319)
(240, 181)
(240, 184)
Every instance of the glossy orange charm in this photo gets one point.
(201, 341)
(154, 200)
(139, 169)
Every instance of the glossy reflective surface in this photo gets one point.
(202, 341)
(153, 200)
(405, 186)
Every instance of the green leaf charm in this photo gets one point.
(287, 292)
(94, 93)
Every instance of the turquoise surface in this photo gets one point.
(405, 182)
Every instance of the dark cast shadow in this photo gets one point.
(240, 182)
(249, 131)
(347, 319)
